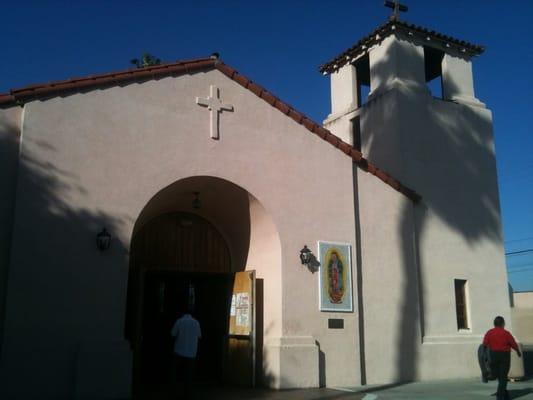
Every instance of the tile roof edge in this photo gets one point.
(44, 90)
(317, 129)
(7, 99)
(387, 29)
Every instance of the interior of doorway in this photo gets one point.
(231, 233)
(167, 295)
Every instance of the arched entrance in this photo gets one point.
(206, 253)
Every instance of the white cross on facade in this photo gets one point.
(215, 106)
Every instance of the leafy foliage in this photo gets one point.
(147, 60)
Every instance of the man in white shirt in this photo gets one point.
(187, 332)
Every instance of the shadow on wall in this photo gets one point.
(444, 151)
(8, 173)
(267, 378)
(55, 273)
(321, 367)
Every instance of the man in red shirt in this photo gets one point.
(500, 342)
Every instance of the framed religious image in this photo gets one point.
(335, 279)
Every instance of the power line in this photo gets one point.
(514, 253)
(515, 180)
(518, 265)
(524, 269)
(510, 172)
(525, 173)
(519, 240)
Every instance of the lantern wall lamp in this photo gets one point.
(103, 240)
(305, 255)
(196, 203)
(309, 260)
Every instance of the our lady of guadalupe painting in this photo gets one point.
(335, 281)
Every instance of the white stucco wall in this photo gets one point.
(95, 159)
(522, 317)
(390, 283)
(523, 300)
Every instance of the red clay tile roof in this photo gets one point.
(7, 99)
(44, 91)
(389, 28)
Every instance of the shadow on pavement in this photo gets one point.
(515, 394)
(212, 392)
(382, 387)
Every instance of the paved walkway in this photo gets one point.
(200, 392)
(470, 389)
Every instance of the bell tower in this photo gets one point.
(404, 96)
(391, 84)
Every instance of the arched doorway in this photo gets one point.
(210, 249)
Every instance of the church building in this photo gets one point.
(362, 250)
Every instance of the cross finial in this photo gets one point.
(396, 9)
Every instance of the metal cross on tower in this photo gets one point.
(396, 9)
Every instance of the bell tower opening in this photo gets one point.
(433, 70)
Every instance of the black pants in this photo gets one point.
(185, 368)
(500, 363)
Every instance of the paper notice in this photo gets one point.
(233, 306)
(243, 317)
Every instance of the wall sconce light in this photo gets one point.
(309, 260)
(103, 240)
(196, 203)
(305, 255)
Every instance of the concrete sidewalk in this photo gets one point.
(213, 392)
(470, 389)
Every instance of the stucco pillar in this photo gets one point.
(457, 80)
(344, 99)
(396, 63)
(343, 89)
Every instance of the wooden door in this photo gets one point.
(180, 242)
(240, 368)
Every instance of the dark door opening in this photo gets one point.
(171, 254)
(166, 296)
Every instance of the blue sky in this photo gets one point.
(280, 44)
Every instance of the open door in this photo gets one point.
(240, 368)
